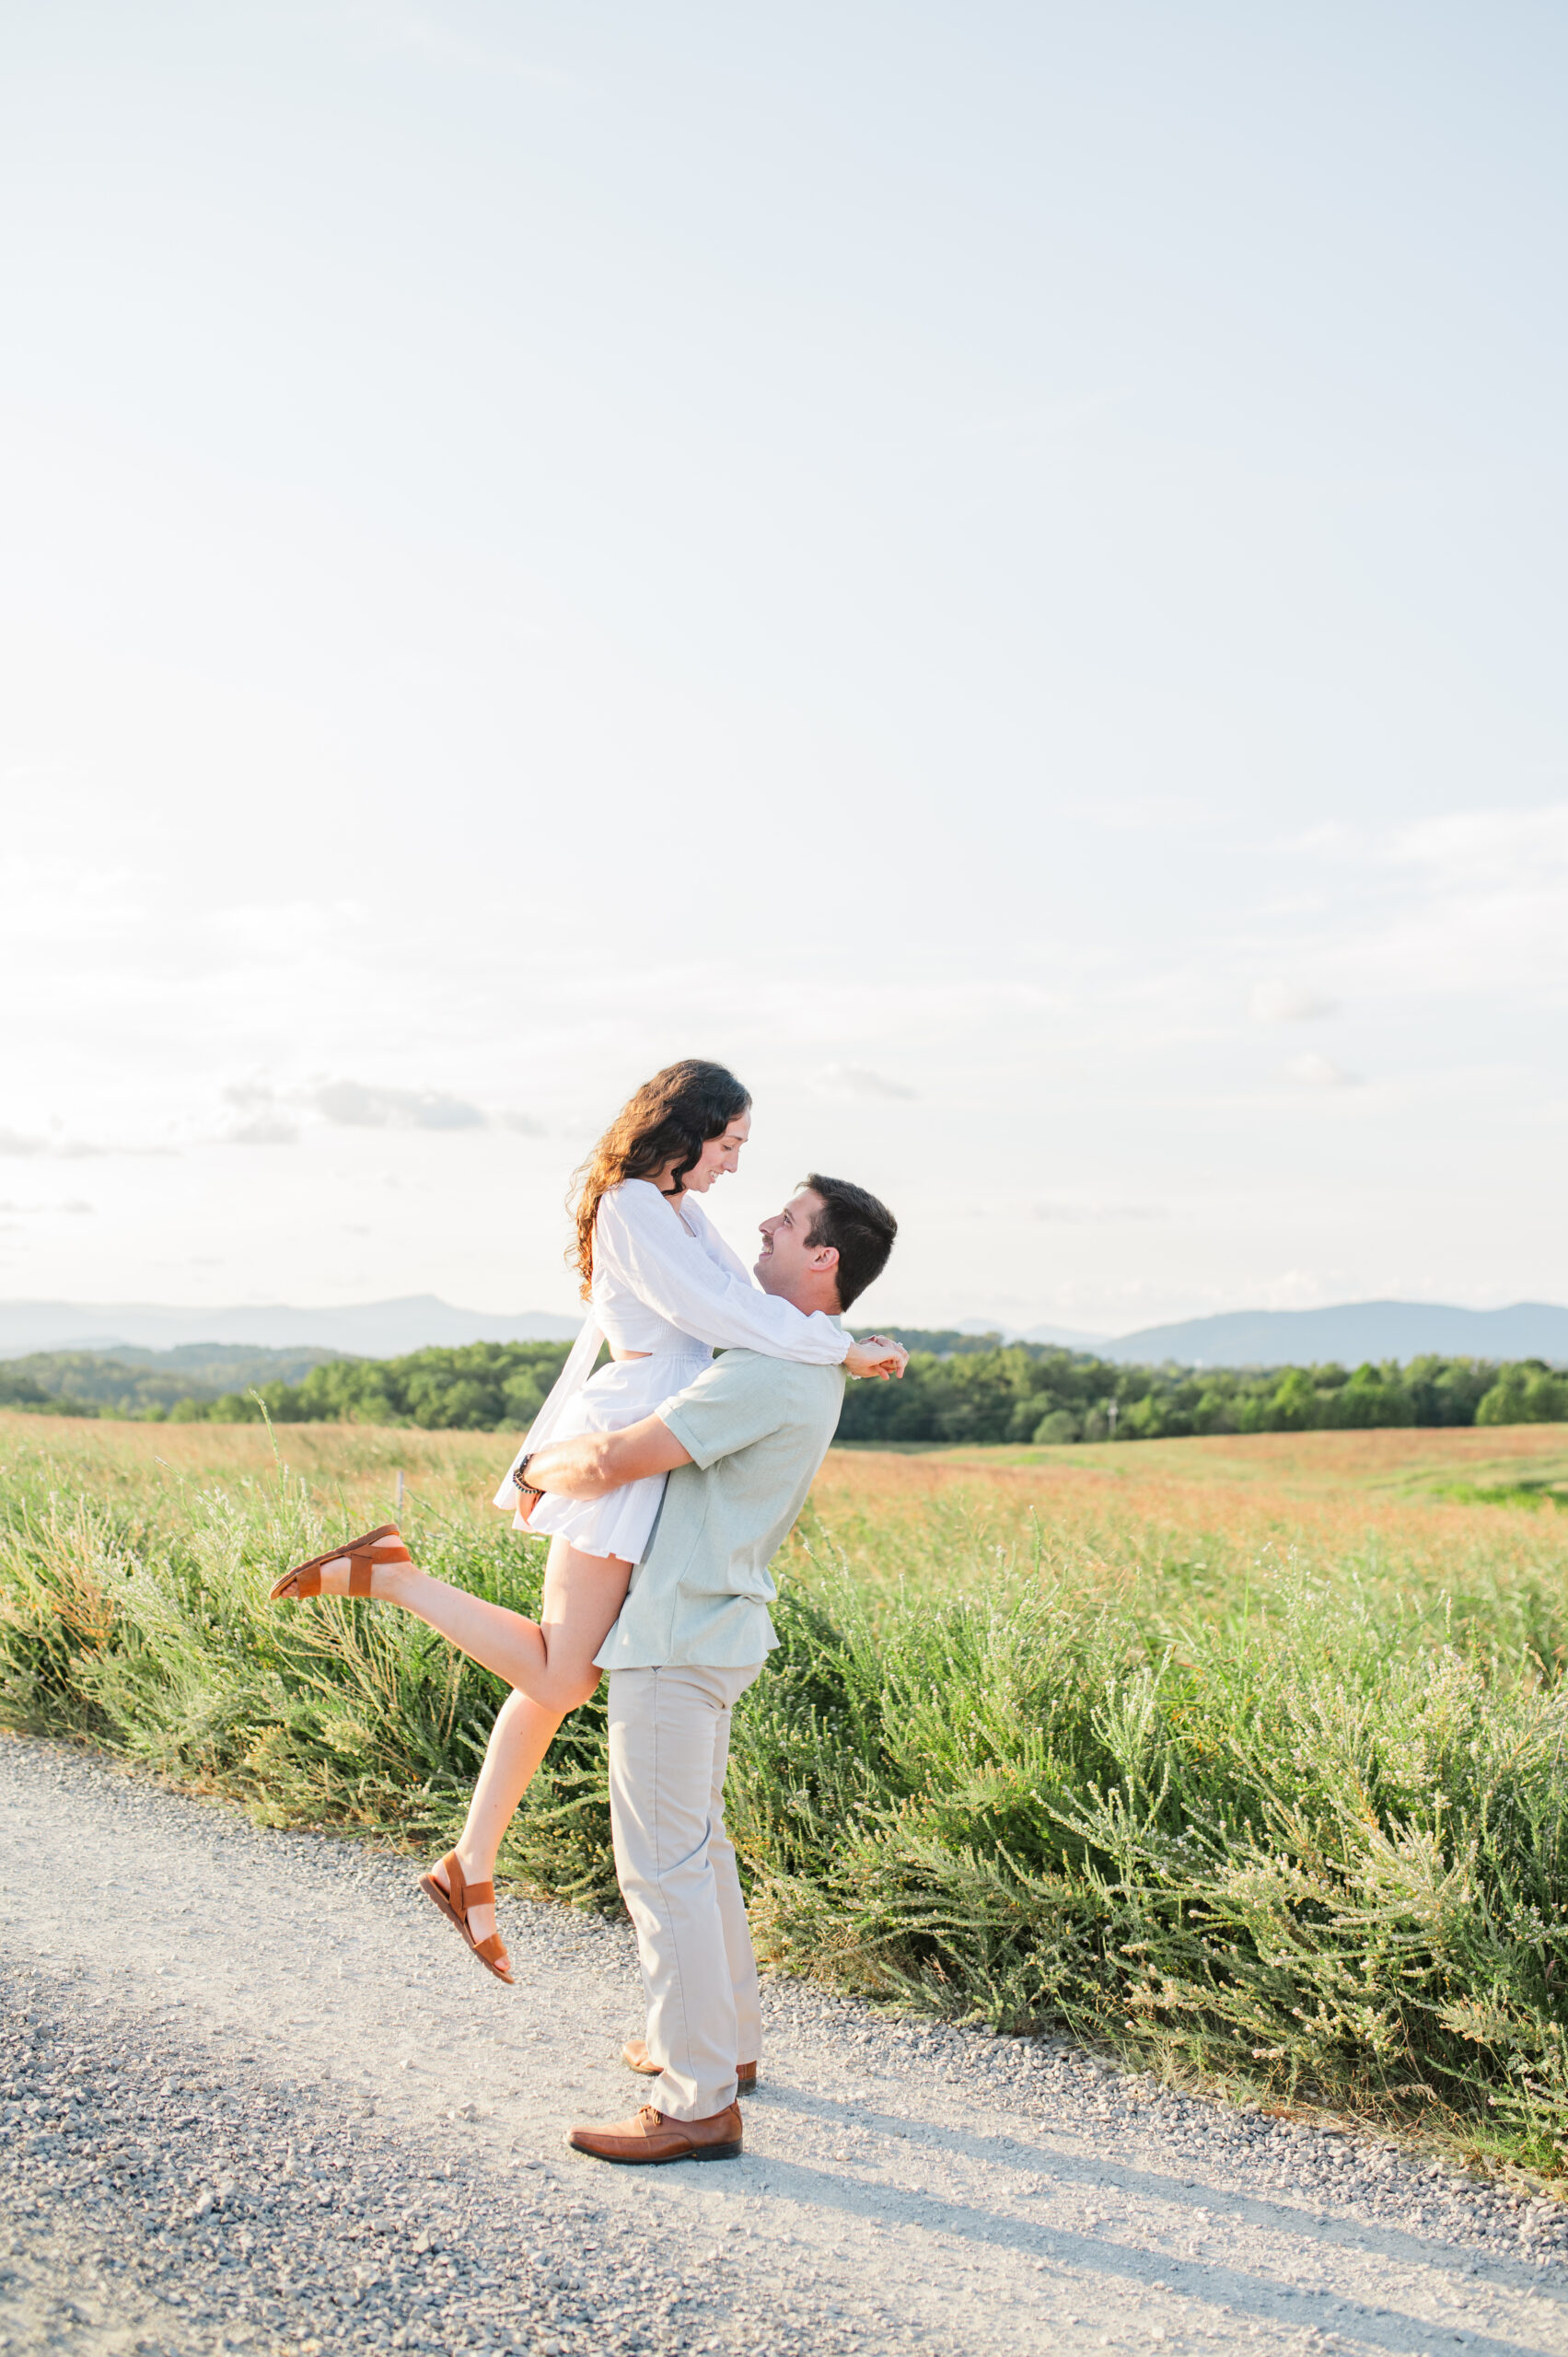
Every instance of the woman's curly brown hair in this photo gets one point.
(669, 1119)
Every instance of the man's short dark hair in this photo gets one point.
(860, 1229)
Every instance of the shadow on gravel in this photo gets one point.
(1130, 2263)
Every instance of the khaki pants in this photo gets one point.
(668, 1750)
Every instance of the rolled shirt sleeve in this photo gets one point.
(725, 1409)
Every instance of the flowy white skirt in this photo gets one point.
(621, 1393)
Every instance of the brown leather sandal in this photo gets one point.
(636, 2056)
(454, 1901)
(304, 1581)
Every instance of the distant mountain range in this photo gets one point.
(370, 1330)
(1350, 1332)
(1071, 1338)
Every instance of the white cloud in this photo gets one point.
(13, 1142)
(1475, 850)
(1292, 1289)
(858, 1080)
(273, 933)
(55, 908)
(1277, 1001)
(1470, 901)
(265, 1121)
(1148, 813)
(353, 1105)
(422, 31)
(525, 1125)
(1074, 1214)
(1317, 1072)
(264, 1129)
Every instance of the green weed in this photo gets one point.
(1293, 1824)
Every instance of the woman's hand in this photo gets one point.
(875, 1358)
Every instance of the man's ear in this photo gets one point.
(825, 1256)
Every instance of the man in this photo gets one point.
(741, 1446)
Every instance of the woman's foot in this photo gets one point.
(338, 1570)
(360, 1570)
(479, 1914)
(471, 1907)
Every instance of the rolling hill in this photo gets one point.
(369, 1330)
(1350, 1333)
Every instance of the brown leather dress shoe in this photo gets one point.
(636, 2056)
(651, 2137)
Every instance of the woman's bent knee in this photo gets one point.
(562, 1692)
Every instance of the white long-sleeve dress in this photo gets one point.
(665, 1282)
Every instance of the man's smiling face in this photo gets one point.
(785, 1257)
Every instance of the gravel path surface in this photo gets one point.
(255, 2096)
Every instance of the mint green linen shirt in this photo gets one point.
(756, 1429)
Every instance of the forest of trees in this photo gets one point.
(143, 1385)
(1037, 1393)
(483, 1387)
(959, 1387)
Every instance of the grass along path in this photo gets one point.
(1268, 1796)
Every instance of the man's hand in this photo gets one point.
(597, 1462)
(877, 1359)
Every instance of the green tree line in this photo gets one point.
(483, 1387)
(144, 1385)
(1024, 1392)
(960, 1389)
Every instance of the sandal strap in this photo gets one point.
(491, 1951)
(362, 1564)
(362, 1560)
(462, 1895)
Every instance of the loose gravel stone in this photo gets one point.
(255, 2096)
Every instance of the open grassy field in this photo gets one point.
(1243, 1756)
(1422, 1500)
(1425, 1501)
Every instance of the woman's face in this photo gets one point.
(720, 1154)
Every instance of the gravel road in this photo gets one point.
(256, 2096)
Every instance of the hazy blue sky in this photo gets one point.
(1001, 567)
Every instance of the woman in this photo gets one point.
(665, 1291)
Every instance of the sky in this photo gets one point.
(1000, 569)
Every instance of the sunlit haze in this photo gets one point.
(999, 568)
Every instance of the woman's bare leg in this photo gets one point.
(548, 1662)
(523, 1733)
(551, 1659)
